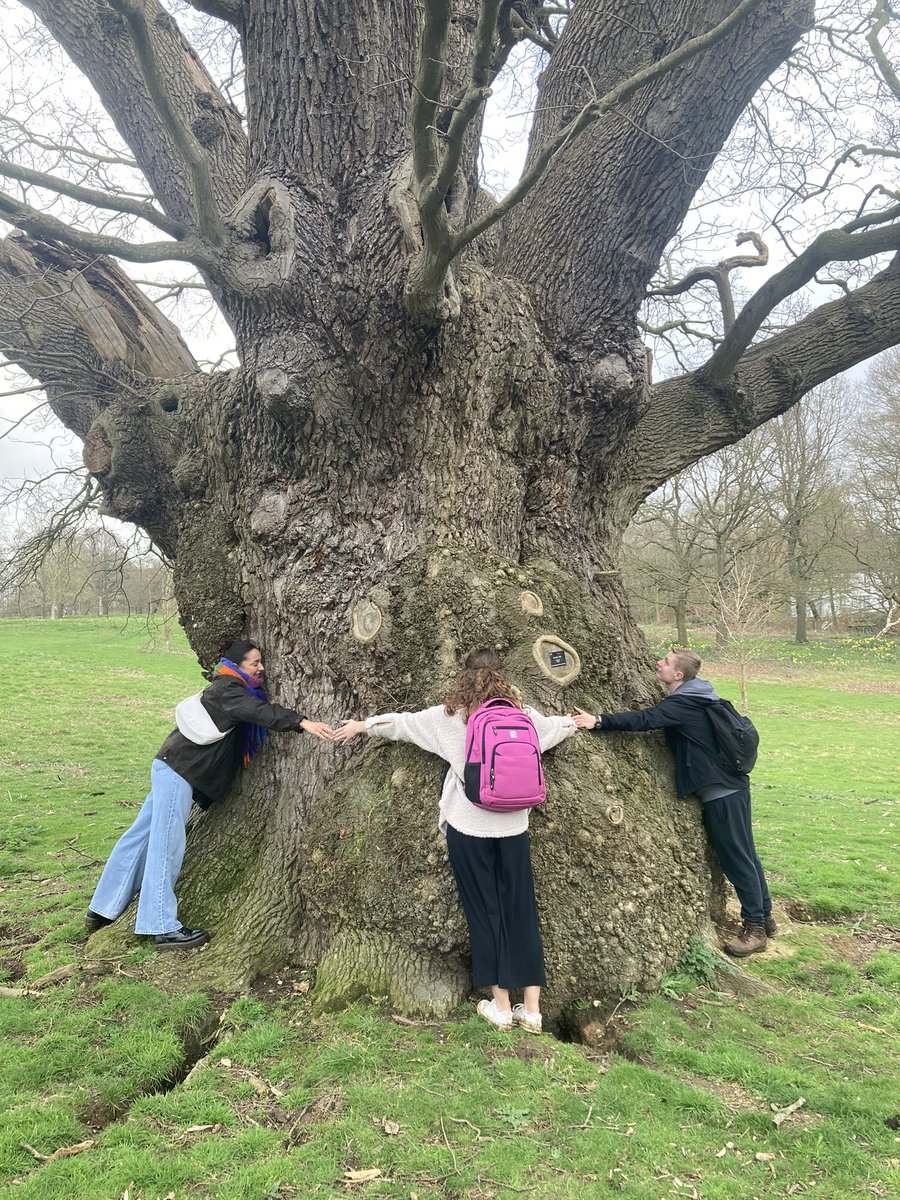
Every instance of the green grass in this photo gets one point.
(289, 1100)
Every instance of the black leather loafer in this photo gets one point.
(94, 921)
(181, 939)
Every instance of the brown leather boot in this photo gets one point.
(769, 925)
(751, 940)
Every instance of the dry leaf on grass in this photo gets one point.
(390, 1127)
(362, 1176)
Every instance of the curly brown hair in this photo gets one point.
(481, 679)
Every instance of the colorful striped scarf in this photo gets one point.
(252, 736)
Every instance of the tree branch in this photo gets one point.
(204, 193)
(468, 105)
(75, 191)
(593, 111)
(838, 245)
(43, 226)
(224, 10)
(427, 90)
(115, 370)
(720, 275)
(588, 240)
(80, 326)
(694, 414)
(441, 242)
(883, 14)
(97, 41)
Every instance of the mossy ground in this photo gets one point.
(288, 1101)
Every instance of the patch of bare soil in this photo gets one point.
(291, 982)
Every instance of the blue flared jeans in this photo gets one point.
(147, 857)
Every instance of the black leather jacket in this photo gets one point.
(211, 769)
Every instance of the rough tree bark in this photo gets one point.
(435, 440)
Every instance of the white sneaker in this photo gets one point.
(528, 1020)
(489, 1010)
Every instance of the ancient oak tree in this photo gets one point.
(443, 419)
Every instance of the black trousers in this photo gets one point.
(496, 888)
(728, 827)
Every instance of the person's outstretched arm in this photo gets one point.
(551, 730)
(423, 728)
(238, 705)
(661, 716)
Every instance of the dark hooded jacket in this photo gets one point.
(210, 769)
(688, 733)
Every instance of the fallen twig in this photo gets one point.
(59, 974)
(585, 1124)
(784, 1113)
(449, 1147)
(62, 1152)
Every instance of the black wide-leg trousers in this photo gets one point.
(496, 888)
(729, 828)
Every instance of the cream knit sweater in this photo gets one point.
(432, 730)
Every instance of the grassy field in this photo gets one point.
(689, 1097)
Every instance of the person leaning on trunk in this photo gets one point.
(219, 730)
(725, 797)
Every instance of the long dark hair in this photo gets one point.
(481, 679)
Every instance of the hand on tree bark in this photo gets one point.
(583, 720)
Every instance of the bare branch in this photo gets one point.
(44, 226)
(122, 204)
(883, 14)
(694, 414)
(593, 111)
(839, 245)
(477, 91)
(98, 43)
(206, 207)
(427, 89)
(223, 10)
(720, 275)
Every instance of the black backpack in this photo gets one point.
(737, 741)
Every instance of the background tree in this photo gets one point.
(874, 542)
(663, 552)
(804, 492)
(443, 418)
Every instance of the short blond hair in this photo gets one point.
(687, 662)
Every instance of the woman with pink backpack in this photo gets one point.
(493, 746)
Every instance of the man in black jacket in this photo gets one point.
(725, 796)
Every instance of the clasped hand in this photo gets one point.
(324, 731)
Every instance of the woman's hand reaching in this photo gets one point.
(318, 729)
(348, 730)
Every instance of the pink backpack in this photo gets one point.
(503, 758)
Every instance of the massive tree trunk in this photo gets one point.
(435, 441)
